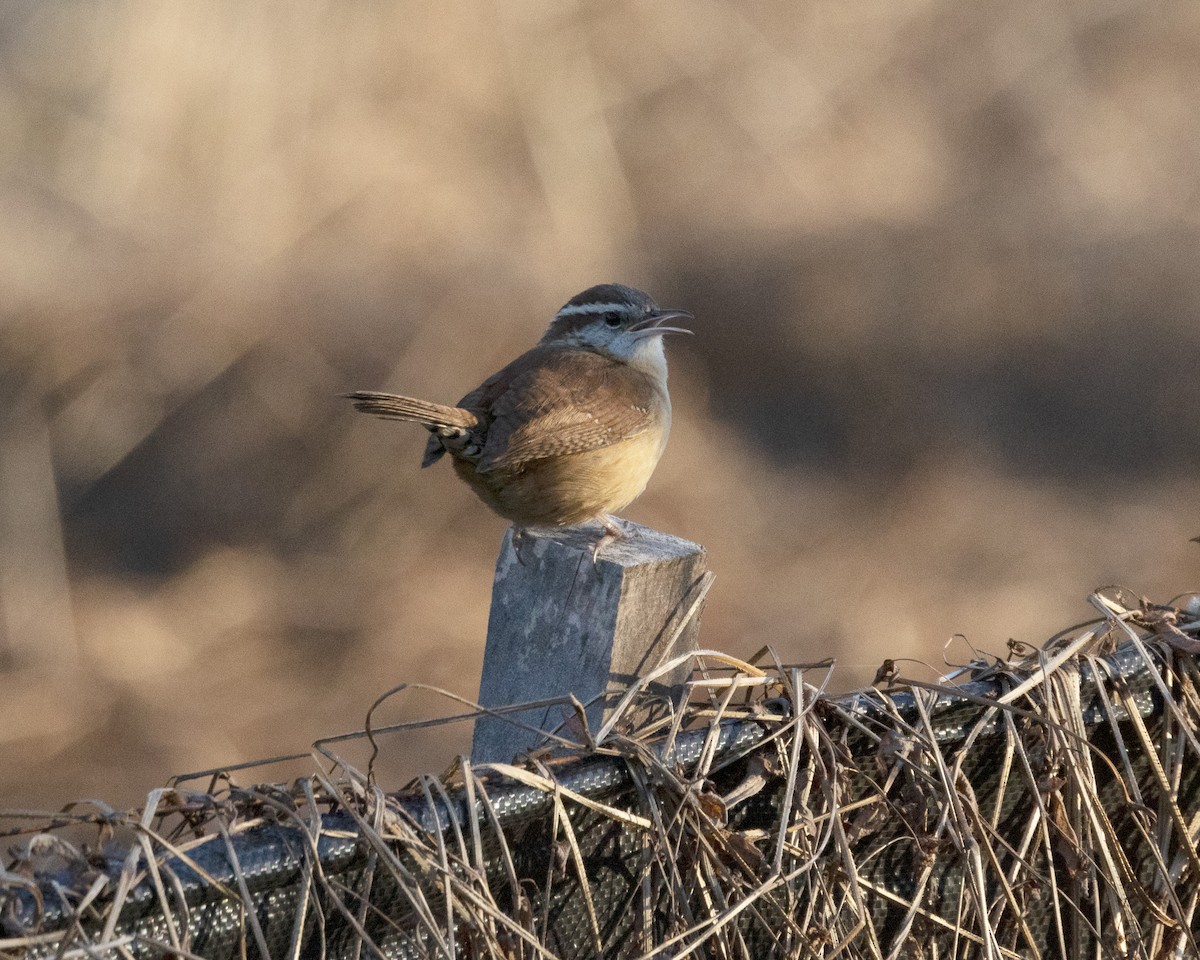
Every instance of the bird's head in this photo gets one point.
(616, 320)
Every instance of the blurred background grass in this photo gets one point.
(943, 258)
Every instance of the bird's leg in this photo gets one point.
(518, 538)
(612, 531)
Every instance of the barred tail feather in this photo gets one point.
(435, 416)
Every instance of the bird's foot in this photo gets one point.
(612, 532)
(518, 538)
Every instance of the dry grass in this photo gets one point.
(1038, 805)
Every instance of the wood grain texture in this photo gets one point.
(560, 625)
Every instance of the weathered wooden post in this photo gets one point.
(560, 624)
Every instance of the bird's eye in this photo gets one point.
(612, 318)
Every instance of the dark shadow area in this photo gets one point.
(1090, 384)
(222, 468)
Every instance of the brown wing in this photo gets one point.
(550, 402)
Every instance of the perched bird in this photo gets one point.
(569, 431)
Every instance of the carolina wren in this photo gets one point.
(569, 431)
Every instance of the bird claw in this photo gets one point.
(612, 532)
(518, 538)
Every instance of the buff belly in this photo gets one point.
(566, 490)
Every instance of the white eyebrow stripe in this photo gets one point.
(579, 308)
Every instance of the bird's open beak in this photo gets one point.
(652, 326)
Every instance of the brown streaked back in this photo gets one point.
(552, 401)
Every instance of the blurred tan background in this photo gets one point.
(943, 258)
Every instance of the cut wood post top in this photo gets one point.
(560, 624)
